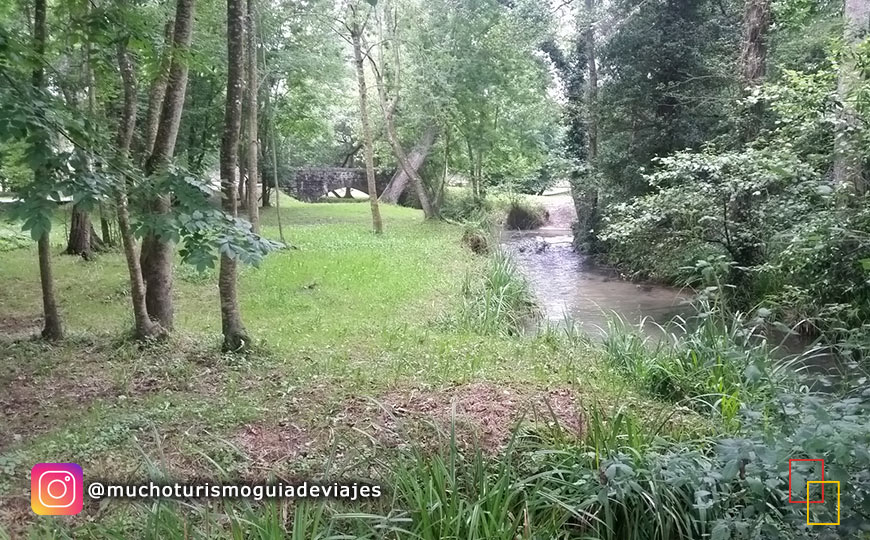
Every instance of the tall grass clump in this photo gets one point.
(709, 361)
(499, 302)
(524, 215)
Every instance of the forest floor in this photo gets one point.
(355, 359)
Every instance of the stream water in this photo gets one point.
(568, 286)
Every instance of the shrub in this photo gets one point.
(523, 215)
(460, 205)
(476, 238)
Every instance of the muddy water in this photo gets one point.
(569, 285)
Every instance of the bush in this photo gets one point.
(523, 215)
(476, 238)
(460, 205)
(11, 239)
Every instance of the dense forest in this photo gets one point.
(255, 242)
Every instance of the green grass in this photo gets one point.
(340, 321)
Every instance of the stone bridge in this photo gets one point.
(314, 183)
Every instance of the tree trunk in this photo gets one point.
(848, 156)
(356, 33)
(105, 229)
(143, 326)
(753, 61)
(156, 258)
(277, 191)
(156, 94)
(592, 85)
(251, 93)
(52, 328)
(79, 242)
(401, 156)
(81, 230)
(235, 336)
(747, 252)
(273, 142)
(417, 157)
(587, 200)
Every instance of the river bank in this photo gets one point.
(356, 361)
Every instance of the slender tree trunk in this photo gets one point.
(587, 191)
(251, 93)
(143, 326)
(52, 328)
(105, 228)
(235, 335)
(274, 145)
(156, 95)
(417, 157)
(848, 156)
(402, 157)
(753, 61)
(747, 252)
(592, 85)
(472, 177)
(277, 191)
(355, 34)
(156, 257)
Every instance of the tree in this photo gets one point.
(144, 327)
(52, 328)
(156, 256)
(416, 158)
(388, 107)
(82, 238)
(586, 199)
(356, 28)
(235, 336)
(156, 94)
(251, 93)
(847, 154)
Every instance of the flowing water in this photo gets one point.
(570, 286)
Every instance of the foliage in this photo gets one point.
(667, 76)
(462, 205)
(498, 304)
(691, 212)
(523, 215)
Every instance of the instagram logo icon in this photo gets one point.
(56, 489)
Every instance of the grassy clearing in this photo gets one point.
(350, 331)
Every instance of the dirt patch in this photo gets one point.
(34, 405)
(12, 328)
(266, 444)
(16, 515)
(483, 412)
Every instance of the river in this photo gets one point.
(569, 286)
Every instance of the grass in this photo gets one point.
(342, 322)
